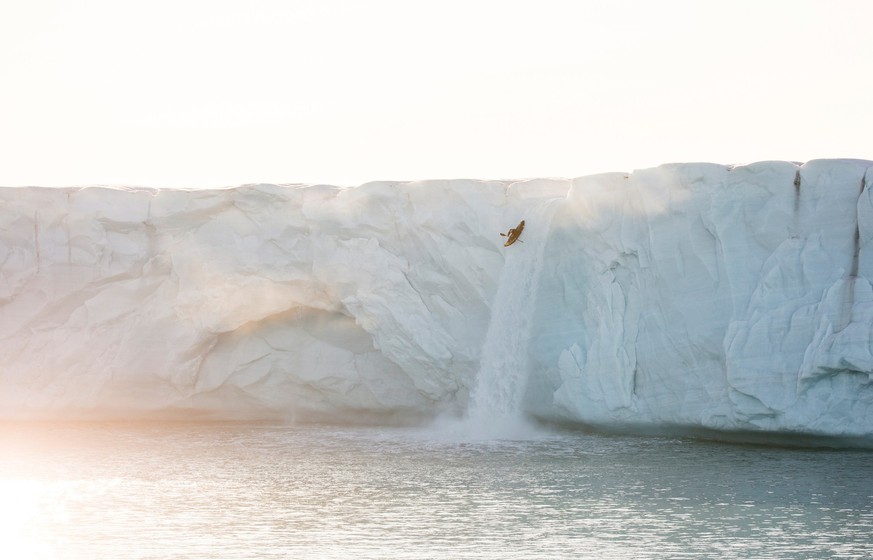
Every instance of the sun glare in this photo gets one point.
(23, 505)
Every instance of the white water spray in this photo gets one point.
(495, 403)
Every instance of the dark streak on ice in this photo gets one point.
(796, 191)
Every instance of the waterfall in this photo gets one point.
(495, 403)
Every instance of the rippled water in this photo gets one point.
(273, 491)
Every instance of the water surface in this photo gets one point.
(277, 491)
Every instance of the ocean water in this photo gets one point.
(214, 491)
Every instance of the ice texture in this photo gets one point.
(687, 295)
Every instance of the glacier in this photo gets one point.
(696, 295)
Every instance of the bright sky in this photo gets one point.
(197, 93)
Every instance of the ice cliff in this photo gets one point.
(695, 295)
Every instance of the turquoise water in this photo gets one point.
(275, 491)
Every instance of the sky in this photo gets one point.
(213, 93)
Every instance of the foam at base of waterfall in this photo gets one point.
(476, 427)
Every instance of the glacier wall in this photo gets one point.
(695, 295)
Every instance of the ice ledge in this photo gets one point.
(697, 295)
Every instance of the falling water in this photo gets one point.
(495, 405)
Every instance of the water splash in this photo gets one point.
(496, 401)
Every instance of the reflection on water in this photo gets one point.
(269, 491)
